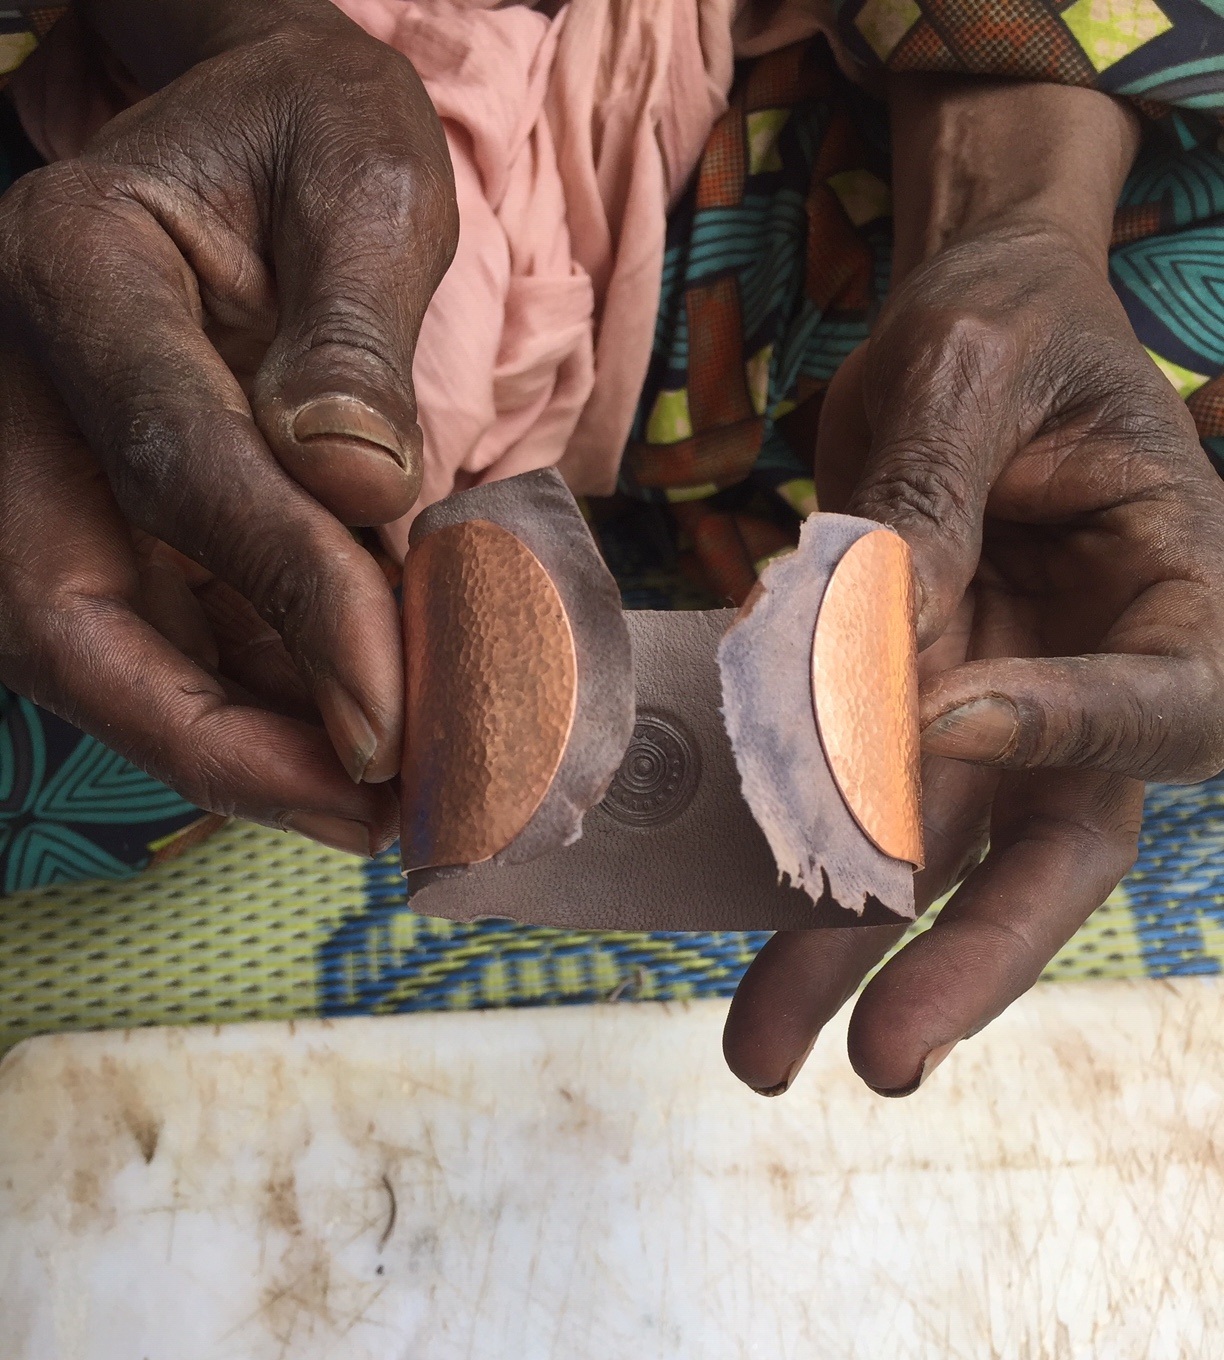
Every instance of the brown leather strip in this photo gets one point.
(701, 814)
(673, 845)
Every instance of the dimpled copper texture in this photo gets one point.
(492, 685)
(865, 691)
(537, 509)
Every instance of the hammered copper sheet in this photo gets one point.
(865, 690)
(492, 690)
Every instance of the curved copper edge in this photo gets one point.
(765, 661)
(492, 691)
(538, 509)
(865, 692)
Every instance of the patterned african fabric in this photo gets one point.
(777, 263)
(1168, 56)
(72, 809)
(21, 28)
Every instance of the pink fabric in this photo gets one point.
(570, 137)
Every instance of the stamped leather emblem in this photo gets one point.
(658, 775)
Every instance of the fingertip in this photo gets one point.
(940, 582)
(337, 833)
(791, 990)
(781, 1087)
(366, 756)
(385, 824)
(940, 570)
(348, 728)
(750, 1060)
(926, 1066)
(894, 1024)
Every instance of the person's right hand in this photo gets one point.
(211, 314)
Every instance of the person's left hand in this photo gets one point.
(1068, 534)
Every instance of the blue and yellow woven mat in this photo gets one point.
(257, 925)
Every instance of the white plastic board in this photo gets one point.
(590, 1184)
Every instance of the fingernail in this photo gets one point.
(348, 727)
(983, 729)
(785, 1084)
(929, 1064)
(347, 418)
(338, 832)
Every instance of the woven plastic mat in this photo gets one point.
(258, 925)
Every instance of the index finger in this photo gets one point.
(75, 643)
(941, 388)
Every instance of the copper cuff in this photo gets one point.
(569, 764)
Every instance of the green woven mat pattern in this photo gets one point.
(258, 925)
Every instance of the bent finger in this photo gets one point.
(792, 989)
(943, 395)
(1149, 717)
(801, 979)
(1061, 843)
(73, 640)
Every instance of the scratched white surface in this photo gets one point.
(589, 1184)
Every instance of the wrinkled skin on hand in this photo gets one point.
(211, 314)
(1068, 534)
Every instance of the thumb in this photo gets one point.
(363, 231)
(940, 390)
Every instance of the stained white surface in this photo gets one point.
(590, 1184)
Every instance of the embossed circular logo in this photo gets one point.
(658, 776)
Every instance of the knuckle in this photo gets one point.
(953, 344)
(401, 186)
(141, 442)
(204, 779)
(401, 196)
(198, 761)
(34, 234)
(340, 334)
(303, 605)
(970, 338)
(1194, 754)
(928, 484)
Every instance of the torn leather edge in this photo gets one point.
(765, 663)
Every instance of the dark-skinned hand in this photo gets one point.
(1068, 539)
(210, 314)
